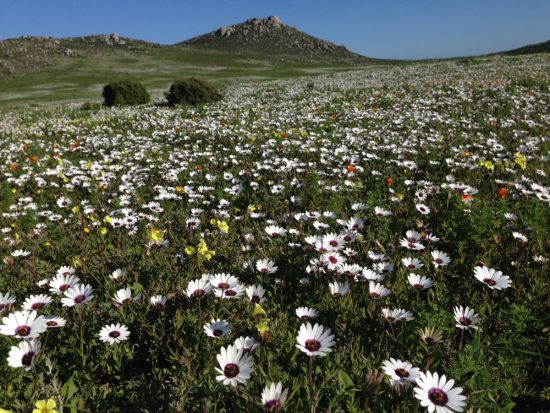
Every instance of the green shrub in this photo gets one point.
(191, 92)
(125, 92)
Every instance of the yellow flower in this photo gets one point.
(77, 262)
(521, 160)
(180, 189)
(47, 244)
(104, 230)
(251, 208)
(75, 209)
(263, 326)
(108, 219)
(156, 235)
(86, 230)
(488, 165)
(204, 251)
(258, 310)
(43, 406)
(190, 250)
(5, 411)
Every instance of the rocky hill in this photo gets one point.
(31, 53)
(543, 47)
(272, 36)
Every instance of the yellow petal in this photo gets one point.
(51, 404)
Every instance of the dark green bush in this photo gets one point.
(191, 92)
(125, 92)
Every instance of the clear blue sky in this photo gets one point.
(407, 29)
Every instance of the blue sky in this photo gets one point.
(407, 29)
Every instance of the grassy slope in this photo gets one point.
(81, 79)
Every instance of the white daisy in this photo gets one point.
(492, 278)
(235, 366)
(438, 394)
(315, 341)
(114, 333)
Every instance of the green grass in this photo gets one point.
(82, 79)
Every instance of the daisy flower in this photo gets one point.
(256, 293)
(393, 316)
(400, 371)
(377, 290)
(431, 335)
(6, 300)
(274, 397)
(43, 406)
(158, 301)
(217, 328)
(224, 281)
(381, 212)
(23, 324)
(266, 266)
(315, 341)
(338, 289)
(232, 292)
(114, 333)
(54, 321)
(440, 258)
(20, 253)
(370, 275)
(466, 318)
(247, 344)
(420, 282)
(124, 296)
(198, 288)
(306, 313)
(63, 281)
(235, 366)
(78, 294)
(412, 263)
(423, 209)
(36, 302)
(492, 278)
(520, 237)
(119, 274)
(275, 231)
(24, 354)
(438, 394)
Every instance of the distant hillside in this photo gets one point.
(543, 47)
(33, 53)
(271, 36)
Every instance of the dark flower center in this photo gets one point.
(199, 292)
(217, 333)
(429, 340)
(114, 334)
(79, 298)
(375, 295)
(465, 321)
(37, 306)
(347, 238)
(336, 295)
(418, 286)
(411, 266)
(333, 260)
(438, 397)
(3, 306)
(26, 360)
(51, 323)
(489, 281)
(305, 317)
(22, 331)
(390, 319)
(273, 404)
(333, 243)
(127, 301)
(255, 299)
(412, 245)
(313, 345)
(64, 287)
(230, 293)
(438, 261)
(402, 372)
(223, 286)
(231, 370)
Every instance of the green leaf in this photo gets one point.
(68, 389)
(345, 380)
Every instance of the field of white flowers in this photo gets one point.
(376, 243)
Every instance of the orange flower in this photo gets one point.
(34, 159)
(351, 169)
(503, 193)
(389, 181)
(13, 166)
(466, 198)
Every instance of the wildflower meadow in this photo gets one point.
(374, 240)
